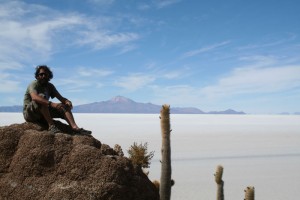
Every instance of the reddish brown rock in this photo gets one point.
(37, 165)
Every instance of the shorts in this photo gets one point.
(32, 113)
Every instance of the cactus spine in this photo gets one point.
(249, 193)
(165, 179)
(220, 182)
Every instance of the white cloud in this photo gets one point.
(134, 82)
(255, 80)
(27, 34)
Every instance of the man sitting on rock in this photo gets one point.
(37, 108)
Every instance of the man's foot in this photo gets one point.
(53, 129)
(82, 131)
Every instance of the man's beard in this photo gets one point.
(43, 82)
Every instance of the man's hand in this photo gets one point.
(69, 104)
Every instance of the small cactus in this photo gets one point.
(219, 174)
(249, 193)
(220, 182)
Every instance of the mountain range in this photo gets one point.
(120, 104)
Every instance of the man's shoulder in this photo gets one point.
(50, 85)
(32, 83)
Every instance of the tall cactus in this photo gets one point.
(249, 193)
(220, 182)
(165, 178)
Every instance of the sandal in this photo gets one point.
(53, 129)
(82, 131)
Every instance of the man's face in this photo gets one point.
(43, 77)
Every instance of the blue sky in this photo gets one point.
(213, 55)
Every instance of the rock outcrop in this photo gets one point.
(37, 165)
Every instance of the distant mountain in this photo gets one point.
(11, 108)
(117, 104)
(189, 110)
(287, 113)
(121, 104)
(229, 112)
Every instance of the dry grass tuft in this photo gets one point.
(139, 155)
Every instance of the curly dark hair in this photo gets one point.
(44, 67)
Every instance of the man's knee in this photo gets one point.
(65, 108)
(32, 112)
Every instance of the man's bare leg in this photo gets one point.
(70, 119)
(46, 114)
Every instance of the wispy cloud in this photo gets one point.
(102, 2)
(9, 65)
(157, 4)
(257, 61)
(204, 49)
(143, 6)
(273, 43)
(165, 3)
(264, 77)
(126, 49)
(180, 73)
(7, 85)
(87, 72)
(23, 38)
(101, 40)
(27, 34)
(73, 85)
(170, 94)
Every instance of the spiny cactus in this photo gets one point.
(220, 182)
(249, 193)
(166, 171)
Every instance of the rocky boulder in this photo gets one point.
(37, 165)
